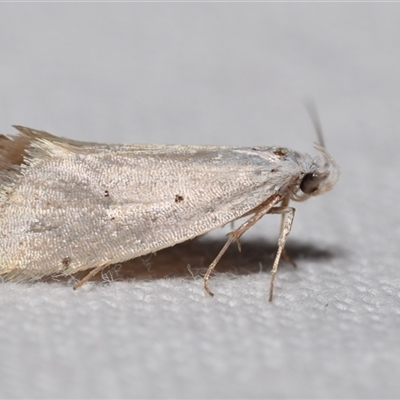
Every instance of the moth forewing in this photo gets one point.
(70, 206)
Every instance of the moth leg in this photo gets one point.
(285, 255)
(214, 263)
(288, 215)
(89, 276)
(260, 211)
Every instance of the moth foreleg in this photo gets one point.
(288, 215)
(285, 256)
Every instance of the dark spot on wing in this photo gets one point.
(178, 198)
(280, 152)
(65, 262)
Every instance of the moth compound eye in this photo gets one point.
(312, 181)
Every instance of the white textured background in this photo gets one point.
(234, 74)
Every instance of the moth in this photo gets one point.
(68, 206)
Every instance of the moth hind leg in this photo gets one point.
(89, 276)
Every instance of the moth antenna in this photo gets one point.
(330, 164)
(313, 113)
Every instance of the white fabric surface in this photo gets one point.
(233, 74)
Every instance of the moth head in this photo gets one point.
(323, 173)
(321, 177)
